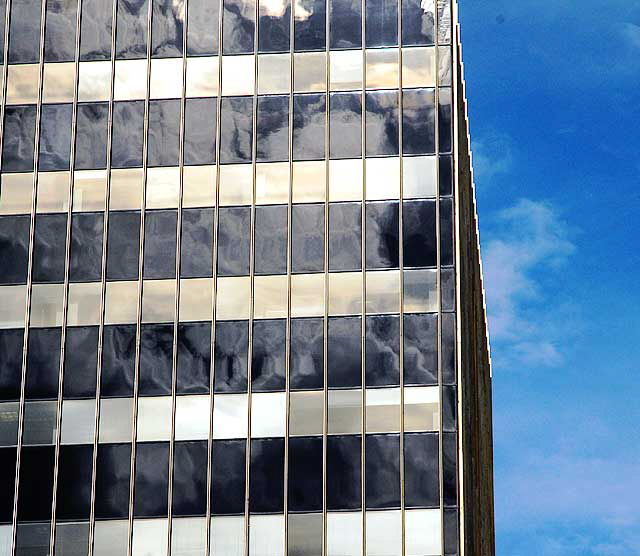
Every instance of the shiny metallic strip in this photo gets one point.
(136, 376)
(65, 294)
(218, 134)
(103, 284)
(32, 227)
(176, 308)
(252, 262)
(325, 320)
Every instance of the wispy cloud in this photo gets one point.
(527, 242)
(492, 155)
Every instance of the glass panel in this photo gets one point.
(233, 298)
(193, 358)
(192, 418)
(154, 419)
(382, 68)
(345, 236)
(383, 410)
(309, 181)
(39, 423)
(130, 79)
(383, 178)
(307, 238)
(305, 413)
(128, 129)
(421, 409)
(307, 295)
(188, 536)
(236, 134)
(118, 360)
(310, 25)
(270, 244)
(199, 187)
(156, 359)
(160, 244)
(382, 123)
(166, 78)
(22, 84)
(345, 180)
(344, 352)
(381, 22)
(382, 350)
(420, 291)
(266, 491)
(274, 75)
(274, 26)
(422, 532)
(116, 418)
(309, 71)
(231, 356)
(113, 469)
(384, 533)
(345, 23)
(307, 354)
(43, 363)
(202, 74)
(91, 136)
(383, 292)
(305, 534)
(421, 463)
(272, 128)
(95, 32)
(55, 137)
(16, 191)
(89, 190)
(419, 177)
(238, 74)
(33, 538)
(344, 411)
(199, 132)
(202, 29)
(419, 233)
(270, 297)
(228, 535)
(230, 416)
(272, 183)
(164, 133)
(418, 121)
(149, 537)
(19, 136)
(236, 184)
(268, 414)
(419, 67)
(417, 22)
(14, 257)
(131, 29)
(9, 423)
(228, 480)
(78, 421)
(344, 472)
(126, 189)
(268, 367)
(59, 82)
(94, 81)
(110, 538)
(167, 31)
(309, 117)
(345, 70)
(24, 31)
(344, 534)
(158, 300)
(345, 293)
(238, 26)
(84, 304)
(46, 305)
(12, 306)
(196, 299)
(345, 113)
(121, 303)
(444, 65)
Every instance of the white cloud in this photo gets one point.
(527, 241)
(492, 155)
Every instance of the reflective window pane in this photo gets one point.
(19, 136)
(383, 350)
(273, 128)
(307, 238)
(156, 359)
(55, 137)
(421, 461)
(228, 477)
(420, 349)
(268, 367)
(271, 240)
(344, 356)
(164, 127)
(166, 34)
(35, 495)
(14, 249)
(49, 248)
(123, 246)
(345, 112)
(382, 473)
(345, 24)
(73, 499)
(197, 243)
(309, 127)
(418, 121)
(80, 362)
(95, 30)
(131, 29)
(231, 352)
(126, 140)
(382, 123)
(266, 483)
(85, 257)
(382, 226)
(345, 236)
(11, 363)
(43, 362)
(417, 22)
(194, 358)
(202, 29)
(234, 241)
(60, 31)
(238, 26)
(307, 354)
(24, 31)
(91, 136)
(190, 478)
(236, 130)
(310, 25)
(160, 244)
(200, 131)
(343, 472)
(151, 479)
(112, 481)
(381, 28)
(419, 234)
(273, 25)
(305, 474)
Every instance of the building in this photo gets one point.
(241, 305)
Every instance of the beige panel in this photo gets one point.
(236, 184)
(423, 532)
(383, 178)
(382, 68)
(199, 186)
(383, 410)
(233, 298)
(420, 291)
(84, 304)
(22, 84)
(238, 75)
(419, 67)
(345, 70)
(125, 191)
(196, 299)
(421, 408)
(202, 76)
(270, 301)
(345, 180)
(306, 413)
(345, 293)
(121, 303)
(94, 81)
(309, 181)
(46, 305)
(53, 192)
(383, 292)
(166, 78)
(59, 82)
(272, 183)
(309, 72)
(344, 411)
(89, 190)
(163, 187)
(154, 419)
(307, 295)
(274, 75)
(158, 300)
(130, 81)
(230, 413)
(419, 176)
(16, 193)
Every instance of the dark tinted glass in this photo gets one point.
(421, 462)
(3, 5)
(60, 31)
(156, 359)
(24, 32)
(417, 23)
(418, 121)
(345, 236)
(274, 26)
(55, 137)
(345, 25)
(14, 249)
(267, 371)
(43, 363)
(266, 482)
(309, 126)
(91, 136)
(75, 467)
(421, 349)
(152, 479)
(160, 244)
(450, 532)
(305, 474)
(200, 130)
(49, 247)
(131, 30)
(345, 113)
(18, 138)
(202, 30)
(448, 288)
(190, 478)
(449, 467)
(382, 226)
(307, 238)
(8, 473)
(164, 132)
(95, 30)
(85, 256)
(381, 26)
(231, 353)
(33, 538)
(446, 232)
(196, 246)
(343, 472)
(271, 239)
(383, 350)
(344, 352)
(236, 137)
(272, 131)
(307, 354)
(419, 233)
(448, 348)
(382, 471)
(123, 246)
(310, 25)
(234, 241)
(10, 363)
(238, 26)
(449, 409)
(128, 129)
(444, 120)
(445, 175)
(80, 362)
(36, 493)
(118, 360)
(194, 358)
(167, 28)
(228, 477)
(112, 480)
(382, 123)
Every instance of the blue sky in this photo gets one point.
(554, 107)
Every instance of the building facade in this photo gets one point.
(241, 305)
